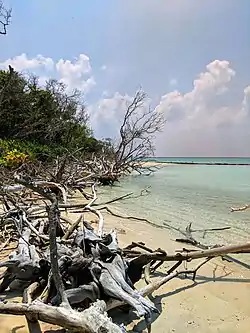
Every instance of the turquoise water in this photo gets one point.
(201, 194)
(202, 160)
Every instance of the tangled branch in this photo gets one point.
(5, 17)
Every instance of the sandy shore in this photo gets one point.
(217, 302)
(150, 164)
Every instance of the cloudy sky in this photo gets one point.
(192, 57)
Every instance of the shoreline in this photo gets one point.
(155, 163)
(220, 284)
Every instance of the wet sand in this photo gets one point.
(217, 302)
(150, 164)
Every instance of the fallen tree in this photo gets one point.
(61, 149)
(71, 274)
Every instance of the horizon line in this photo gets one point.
(199, 156)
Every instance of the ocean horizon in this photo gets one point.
(201, 160)
(199, 194)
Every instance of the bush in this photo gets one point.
(14, 158)
(14, 153)
(41, 122)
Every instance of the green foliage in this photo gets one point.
(41, 122)
(13, 153)
(13, 159)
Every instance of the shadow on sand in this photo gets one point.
(120, 316)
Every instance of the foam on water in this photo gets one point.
(200, 194)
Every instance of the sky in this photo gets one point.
(191, 57)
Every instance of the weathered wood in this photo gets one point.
(73, 227)
(80, 265)
(155, 285)
(32, 322)
(32, 228)
(112, 279)
(91, 320)
(23, 267)
(218, 251)
(53, 214)
(240, 209)
(80, 294)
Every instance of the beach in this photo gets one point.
(217, 302)
(124, 167)
(150, 164)
(219, 299)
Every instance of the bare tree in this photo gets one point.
(137, 133)
(5, 16)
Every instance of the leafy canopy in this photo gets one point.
(42, 117)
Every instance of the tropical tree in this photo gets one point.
(47, 115)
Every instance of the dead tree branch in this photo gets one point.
(215, 252)
(239, 209)
(91, 320)
(54, 221)
(155, 285)
(137, 133)
(5, 16)
(66, 265)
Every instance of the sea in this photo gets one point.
(203, 160)
(200, 191)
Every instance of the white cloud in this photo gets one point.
(75, 74)
(202, 121)
(22, 62)
(107, 114)
(79, 67)
(211, 119)
(246, 102)
(207, 104)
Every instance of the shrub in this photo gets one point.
(14, 153)
(14, 158)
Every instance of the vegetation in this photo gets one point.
(41, 122)
(44, 123)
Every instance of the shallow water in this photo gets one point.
(180, 194)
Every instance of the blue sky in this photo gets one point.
(162, 45)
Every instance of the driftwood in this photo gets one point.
(238, 209)
(91, 320)
(210, 253)
(72, 275)
(151, 287)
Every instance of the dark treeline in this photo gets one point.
(43, 121)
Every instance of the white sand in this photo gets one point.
(205, 307)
